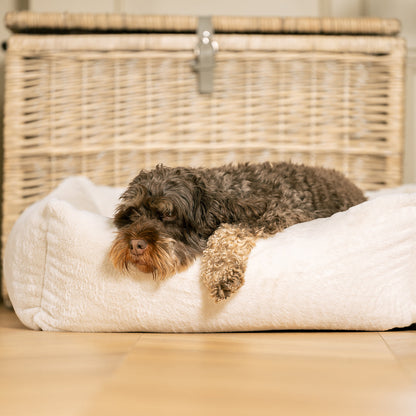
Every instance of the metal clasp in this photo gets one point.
(205, 51)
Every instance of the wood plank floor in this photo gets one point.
(271, 373)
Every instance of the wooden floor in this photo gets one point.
(272, 373)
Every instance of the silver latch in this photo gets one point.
(205, 51)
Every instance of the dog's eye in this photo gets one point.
(167, 216)
(135, 215)
(121, 221)
(125, 216)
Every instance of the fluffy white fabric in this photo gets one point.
(355, 270)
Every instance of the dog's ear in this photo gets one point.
(208, 208)
(200, 203)
(188, 199)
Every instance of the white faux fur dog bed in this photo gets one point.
(355, 270)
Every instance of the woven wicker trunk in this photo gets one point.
(107, 95)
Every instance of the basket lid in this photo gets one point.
(31, 22)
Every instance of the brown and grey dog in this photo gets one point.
(169, 216)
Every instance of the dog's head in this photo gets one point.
(163, 221)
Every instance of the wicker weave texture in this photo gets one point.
(104, 111)
(27, 21)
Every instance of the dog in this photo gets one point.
(169, 216)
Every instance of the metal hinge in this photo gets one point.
(205, 51)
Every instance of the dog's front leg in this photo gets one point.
(224, 261)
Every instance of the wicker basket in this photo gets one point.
(106, 95)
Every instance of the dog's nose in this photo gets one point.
(138, 247)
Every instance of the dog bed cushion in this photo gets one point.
(353, 271)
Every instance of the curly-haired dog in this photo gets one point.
(169, 216)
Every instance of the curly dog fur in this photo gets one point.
(169, 216)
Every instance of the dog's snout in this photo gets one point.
(138, 247)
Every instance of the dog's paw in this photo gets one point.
(224, 286)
